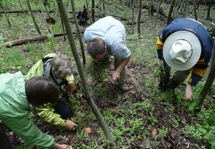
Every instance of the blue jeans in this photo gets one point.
(62, 109)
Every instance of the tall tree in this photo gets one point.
(169, 17)
(33, 18)
(139, 17)
(209, 81)
(89, 100)
(93, 11)
(185, 4)
(78, 32)
(103, 6)
(194, 8)
(158, 8)
(8, 21)
(209, 10)
(132, 28)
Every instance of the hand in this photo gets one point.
(115, 75)
(70, 125)
(161, 62)
(188, 92)
(72, 87)
(61, 146)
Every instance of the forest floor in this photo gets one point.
(140, 118)
(168, 116)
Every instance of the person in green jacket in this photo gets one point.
(58, 68)
(16, 95)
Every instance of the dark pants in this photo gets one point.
(4, 140)
(178, 77)
(62, 109)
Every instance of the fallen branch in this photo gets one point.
(24, 41)
(24, 11)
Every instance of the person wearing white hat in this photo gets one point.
(186, 46)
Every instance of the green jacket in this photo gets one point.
(46, 112)
(15, 110)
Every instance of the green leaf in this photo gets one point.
(202, 130)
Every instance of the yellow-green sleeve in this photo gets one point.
(159, 46)
(47, 113)
(196, 75)
(70, 79)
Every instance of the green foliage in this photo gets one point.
(132, 118)
(193, 131)
(1, 39)
(163, 132)
(210, 137)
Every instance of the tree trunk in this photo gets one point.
(185, 3)
(94, 108)
(194, 8)
(78, 32)
(210, 78)
(158, 8)
(93, 11)
(8, 21)
(209, 10)
(87, 8)
(169, 17)
(32, 16)
(104, 8)
(132, 28)
(207, 85)
(138, 19)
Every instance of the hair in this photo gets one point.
(96, 46)
(41, 90)
(61, 64)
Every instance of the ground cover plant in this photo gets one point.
(143, 117)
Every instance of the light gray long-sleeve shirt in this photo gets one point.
(113, 33)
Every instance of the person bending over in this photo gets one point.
(58, 68)
(107, 36)
(186, 46)
(16, 96)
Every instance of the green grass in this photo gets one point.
(131, 120)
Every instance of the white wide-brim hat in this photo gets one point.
(182, 50)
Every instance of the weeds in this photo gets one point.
(130, 119)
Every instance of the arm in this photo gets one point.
(198, 71)
(196, 76)
(46, 112)
(117, 72)
(71, 85)
(61, 146)
(28, 131)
